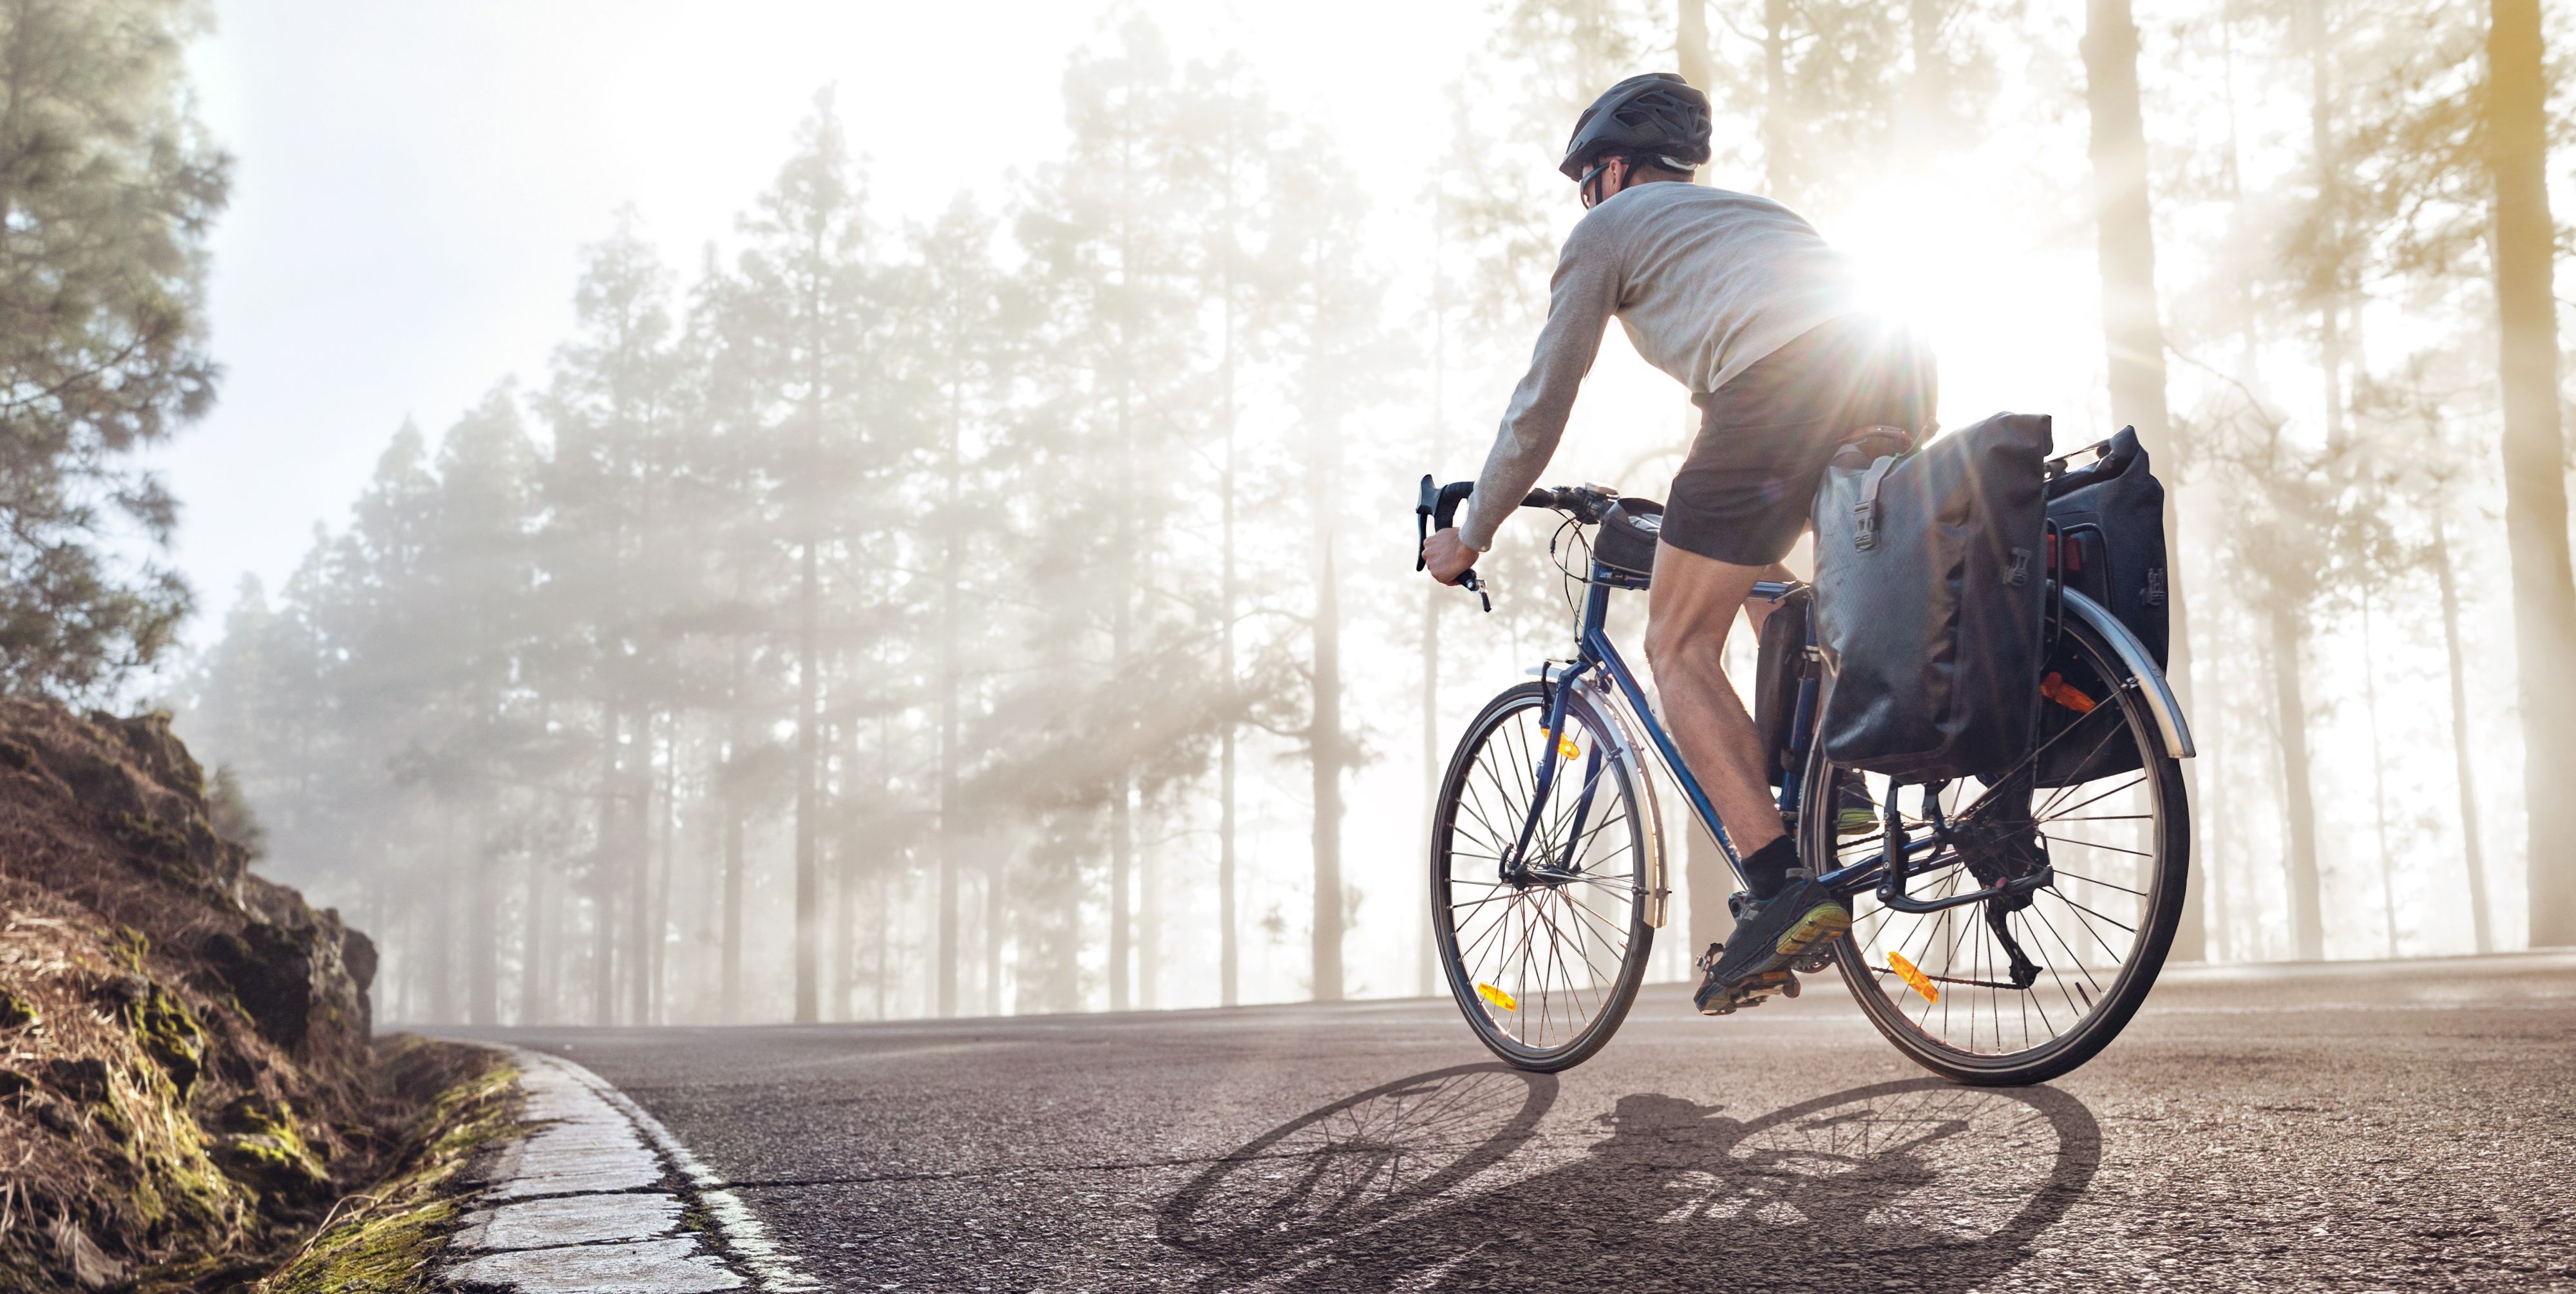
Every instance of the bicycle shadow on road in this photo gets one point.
(1408, 1186)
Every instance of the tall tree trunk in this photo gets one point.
(2473, 854)
(2289, 693)
(2218, 945)
(1122, 827)
(482, 928)
(641, 935)
(809, 583)
(729, 951)
(1325, 742)
(535, 979)
(952, 572)
(737, 744)
(2132, 331)
(442, 934)
(1923, 89)
(2535, 470)
(993, 893)
(2331, 349)
(2378, 775)
(877, 946)
(845, 933)
(662, 879)
(1149, 914)
(1777, 168)
(1690, 44)
(1122, 855)
(603, 878)
(1229, 953)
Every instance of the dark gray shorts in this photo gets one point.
(1764, 439)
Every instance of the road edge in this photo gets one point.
(594, 1191)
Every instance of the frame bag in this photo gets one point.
(1929, 579)
(2107, 524)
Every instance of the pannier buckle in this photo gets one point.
(1865, 524)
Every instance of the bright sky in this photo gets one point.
(414, 182)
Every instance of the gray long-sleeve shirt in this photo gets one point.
(1705, 281)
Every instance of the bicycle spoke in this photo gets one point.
(2062, 870)
(2095, 844)
(1556, 954)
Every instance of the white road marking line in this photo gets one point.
(572, 1207)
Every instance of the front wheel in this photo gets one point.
(2004, 992)
(1543, 951)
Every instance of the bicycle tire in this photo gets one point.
(1901, 1012)
(1477, 806)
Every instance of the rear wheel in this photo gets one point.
(1544, 959)
(1946, 987)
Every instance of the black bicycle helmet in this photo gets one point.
(1655, 115)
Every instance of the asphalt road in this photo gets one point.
(2344, 1127)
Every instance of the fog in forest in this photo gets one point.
(936, 539)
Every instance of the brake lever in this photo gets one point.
(1422, 518)
(1439, 504)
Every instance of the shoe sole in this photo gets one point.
(1823, 923)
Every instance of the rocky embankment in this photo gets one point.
(186, 1087)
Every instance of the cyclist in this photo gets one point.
(1743, 302)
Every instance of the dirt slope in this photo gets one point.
(184, 1082)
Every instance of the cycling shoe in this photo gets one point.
(1771, 937)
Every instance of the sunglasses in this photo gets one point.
(1584, 185)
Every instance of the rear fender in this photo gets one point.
(2171, 728)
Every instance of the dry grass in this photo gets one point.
(183, 1067)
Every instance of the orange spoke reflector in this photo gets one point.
(1497, 997)
(2056, 688)
(1565, 746)
(1914, 979)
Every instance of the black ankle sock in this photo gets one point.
(1766, 870)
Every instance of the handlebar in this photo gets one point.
(1438, 510)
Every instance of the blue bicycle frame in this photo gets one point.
(1595, 651)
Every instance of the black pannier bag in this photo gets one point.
(2107, 524)
(1778, 668)
(1929, 578)
(2109, 516)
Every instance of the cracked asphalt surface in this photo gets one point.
(2341, 1127)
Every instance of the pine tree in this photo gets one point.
(611, 403)
(107, 189)
(803, 329)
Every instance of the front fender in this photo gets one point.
(1632, 753)
(2170, 724)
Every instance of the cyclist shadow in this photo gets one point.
(1944, 1187)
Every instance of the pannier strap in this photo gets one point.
(1865, 512)
(1885, 445)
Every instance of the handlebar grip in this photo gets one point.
(1444, 507)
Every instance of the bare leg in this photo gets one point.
(1689, 610)
(1758, 610)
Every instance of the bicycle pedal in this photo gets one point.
(1709, 959)
(1753, 992)
(1816, 962)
